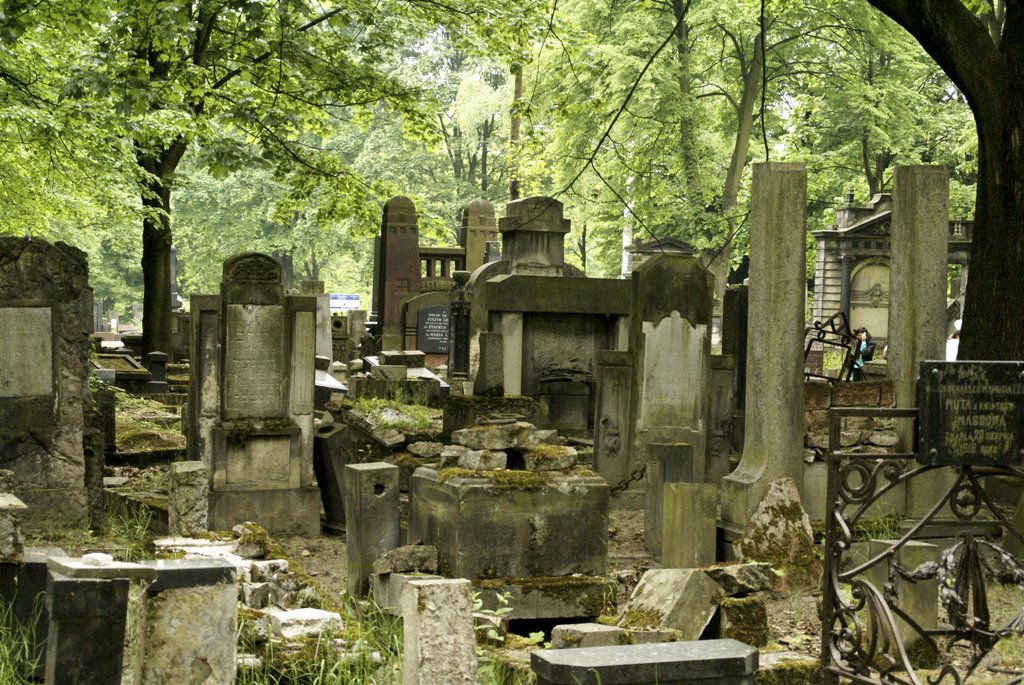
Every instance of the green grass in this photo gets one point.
(16, 658)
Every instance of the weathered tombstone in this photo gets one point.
(774, 426)
(45, 318)
(667, 462)
(917, 311)
(688, 526)
(670, 341)
(323, 316)
(188, 503)
(612, 420)
(432, 329)
(917, 598)
(156, 364)
(251, 399)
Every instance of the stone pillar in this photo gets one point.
(774, 428)
(917, 277)
(331, 450)
(156, 364)
(439, 645)
(458, 338)
(478, 227)
(397, 268)
(512, 352)
(611, 432)
(688, 525)
(734, 336)
(533, 236)
(371, 519)
(917, 310)
(201, 594)
(85, 643)
(324, 346)
(188, 502)
(846, 264)
(490, 373)
(666, 463)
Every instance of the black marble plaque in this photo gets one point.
(971, 413)
(432, 330)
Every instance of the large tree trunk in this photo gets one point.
(993, 325)
(156, 269)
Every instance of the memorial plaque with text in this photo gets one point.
(252, 360)
(971, 413)
(26, 351)
(432, 330)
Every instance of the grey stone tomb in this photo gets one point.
(251, 399)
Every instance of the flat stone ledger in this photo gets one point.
(550, 597)
(544, 524)
(252, 361)
(704, 662)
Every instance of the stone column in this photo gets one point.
(917, 310)
(201, 594)
(774, 429)
(439, 645)
(478, 227)
(511, 329)
(371, 519)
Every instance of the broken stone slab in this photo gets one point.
(439, 641)
(80, 568)
(451, 454)
(744, 579)
(483, 460)
(188, 497)
(407, 559)
(681, 598)
(256, 595)
(390, 372)
(587, 635)
(646, 636)
(779, 533)
(425, 450)
(264, 570)
(502, 436)
(550, 458)
(717, 662)
(788, 668)
(299, 623)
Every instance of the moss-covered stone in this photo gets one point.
(745, 619)
(789, 670)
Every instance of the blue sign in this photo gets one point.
(341, 303)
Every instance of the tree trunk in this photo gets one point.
(156, 268)
(513, 134)
(993, 327)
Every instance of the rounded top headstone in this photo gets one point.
(400, 211)
(253, 267)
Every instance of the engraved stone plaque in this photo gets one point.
(253, 382)
(432, 330)
(263, 462)
(972, 413)
(26, 351)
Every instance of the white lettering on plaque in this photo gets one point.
(252, 360)
(26, 351)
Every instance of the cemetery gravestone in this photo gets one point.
(251, 399)
(45, 318)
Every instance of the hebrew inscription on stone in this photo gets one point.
(253, 383)
(26, 351)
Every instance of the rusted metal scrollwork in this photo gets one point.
(866, 636)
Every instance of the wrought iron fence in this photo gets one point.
(868, 635)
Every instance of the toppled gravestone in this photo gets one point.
(779, 533)
(681, 598)
(501, 436)
(743, 579)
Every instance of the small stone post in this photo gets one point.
(12, 542)
(774, 429)
(201, 594)
(688, 526)
(86, 635)
(371, 519)
(670, 462)
(439, 643)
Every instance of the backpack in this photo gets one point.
(868, 352)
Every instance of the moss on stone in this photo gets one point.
(747, 620)
(640, 618)
(509, 479)
(791, 672)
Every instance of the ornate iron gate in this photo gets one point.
(866, 634)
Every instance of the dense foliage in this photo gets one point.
(281, 125)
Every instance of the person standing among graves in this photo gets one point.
(865, 352)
